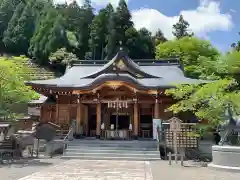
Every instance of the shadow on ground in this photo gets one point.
(25, 162)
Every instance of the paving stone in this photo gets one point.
(120, 170)
(162, 171)
(95, 170)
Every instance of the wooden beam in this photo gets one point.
(129, 101)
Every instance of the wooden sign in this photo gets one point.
(175, 124)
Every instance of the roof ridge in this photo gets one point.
(165, 61)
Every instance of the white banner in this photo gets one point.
(156, 123)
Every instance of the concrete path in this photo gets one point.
(95, 170)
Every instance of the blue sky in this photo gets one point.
(215, 20)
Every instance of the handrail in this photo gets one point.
(65, 139)
(157, 139)
(70, 131)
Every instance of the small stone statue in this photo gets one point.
(231, 125)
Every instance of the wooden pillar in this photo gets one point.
(78, 119)
(85, 119)
(135, 121)
(98, 120)
(57, 110)
(69, 113)
(156, 110)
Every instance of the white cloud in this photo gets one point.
(205, 18)
(233, 10)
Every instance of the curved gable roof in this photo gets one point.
(144, 75)
(121, 63)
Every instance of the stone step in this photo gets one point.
(130, 158)
(115, 154)
(123, 151)
(107, 150)
(113, 141)
(113, 145)
(114, 148)
(121, 144)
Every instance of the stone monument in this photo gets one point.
(226, 155)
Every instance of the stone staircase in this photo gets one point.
(112, 150)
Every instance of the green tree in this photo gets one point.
(120, 22)
(71, 18)
(21, 26)
(49, 35)
(61, 56)
(159, 37)
(236, 45)
(209, 101)
(7, 9)
(197, 55)
(146, 44)
(9, 32)
(84, 33)
(181, 28)
(13, 92)
(140, 43)
(99, 32)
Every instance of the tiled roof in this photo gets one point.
(161, 74)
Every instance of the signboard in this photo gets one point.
(156, 123)
(35, 111)
(175, 124)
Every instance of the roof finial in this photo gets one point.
(121, 48)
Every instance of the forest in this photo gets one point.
(47, 32)
(56, 34)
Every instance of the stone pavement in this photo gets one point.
(25, 167)
(57, 169)
(162, 171)
(95, 170)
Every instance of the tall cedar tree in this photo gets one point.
(99, 32)
(7, 9)
(181, 28)
(9, 32)
(236, 45)
(140, 43)
(72, 17)
(49, 35)
(120, 22)
(146, 44)
(159, 37)
(84, 33)
(21, 26)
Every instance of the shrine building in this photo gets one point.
(120, 95)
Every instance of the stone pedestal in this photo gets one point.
(226, 158)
